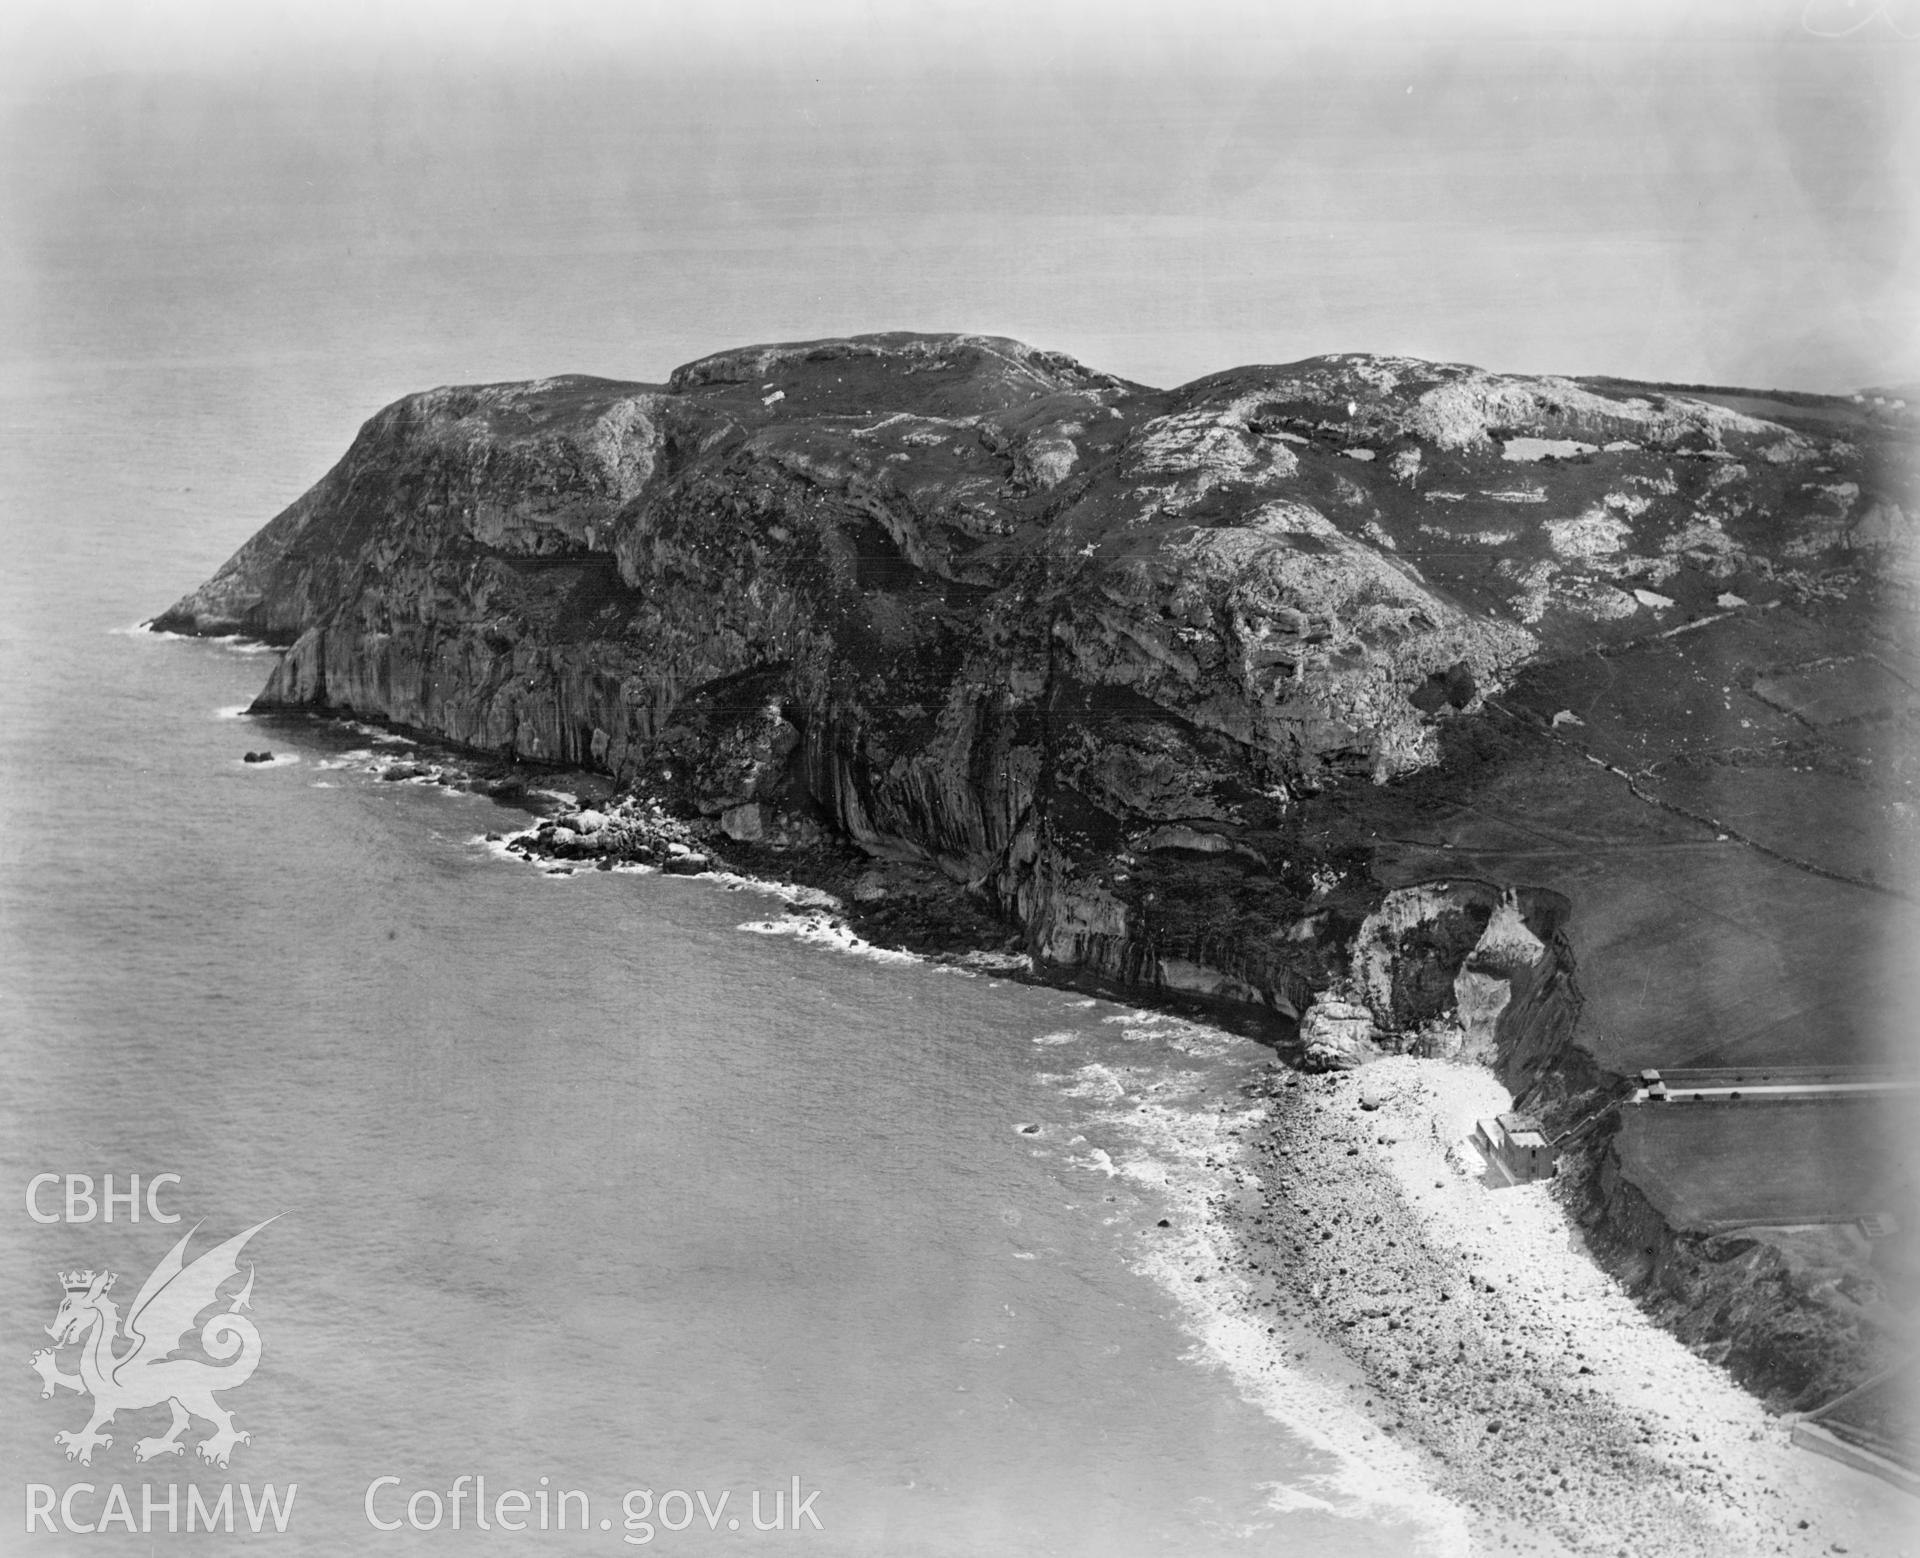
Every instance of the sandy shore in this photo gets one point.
(1481, 1341)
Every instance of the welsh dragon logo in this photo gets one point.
(145, 1373)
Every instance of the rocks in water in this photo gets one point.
(627, 831)
(257, 757)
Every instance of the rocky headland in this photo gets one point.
(1368, 705)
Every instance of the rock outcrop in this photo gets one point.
(1303, 695)
(1089, 648)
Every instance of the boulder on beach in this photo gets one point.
(1336, 1035)
(746, 824)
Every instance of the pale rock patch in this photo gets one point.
(1595, 536)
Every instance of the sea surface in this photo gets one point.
(605, 1183)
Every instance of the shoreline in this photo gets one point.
(1183, 1139)
(1611, 1436)
(1555, 1410)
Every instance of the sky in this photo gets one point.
(1689, 193)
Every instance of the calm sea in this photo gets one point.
(581, 1184)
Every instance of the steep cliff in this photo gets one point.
(1089, 648)
(1357, 700)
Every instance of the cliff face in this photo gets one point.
(1362, 701)
(1127, 662)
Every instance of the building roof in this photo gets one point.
(1522, 1130)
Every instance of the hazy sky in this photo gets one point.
(1696, 193)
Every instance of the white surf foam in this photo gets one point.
(233, 643)
(1165, 1128)
(819, 930)
(378, 736)
(1198, 1039)
(1096, 1160)
(802, 897)
(1096, 1080)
